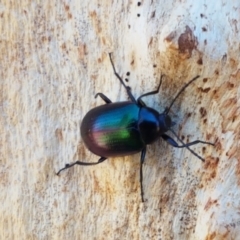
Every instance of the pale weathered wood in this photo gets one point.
(54, 59)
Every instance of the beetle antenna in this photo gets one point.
(195, 154)
(179, 93)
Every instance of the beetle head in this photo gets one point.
(165, 123)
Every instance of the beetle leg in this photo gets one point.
(103, 97)
(198, 141)
(186, 145)
(174, 143)
(143, 153)
(68, 165)
(140, 102)
(122, 82)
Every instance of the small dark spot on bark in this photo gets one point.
(205, 90)
(59, 134)
(230, 85)
(153, 14)
(150, 42)
(39, 103)
(67, 7)
(204, 149)
(200, 61)
(203, 112)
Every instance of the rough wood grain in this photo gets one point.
(54, 59)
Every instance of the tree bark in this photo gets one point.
(54, 59)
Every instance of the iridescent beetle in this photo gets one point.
(124, 128)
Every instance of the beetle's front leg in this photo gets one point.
(140, 101)
(128, 90)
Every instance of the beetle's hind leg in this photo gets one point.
(128, 90)
(103, 97)
(101, 159)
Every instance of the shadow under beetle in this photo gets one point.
(124, 128)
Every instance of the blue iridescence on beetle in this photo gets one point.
(112, 129)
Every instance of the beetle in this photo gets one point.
(125, 128)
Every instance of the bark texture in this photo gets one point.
(54, 59)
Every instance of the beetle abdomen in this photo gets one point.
(112, 130)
